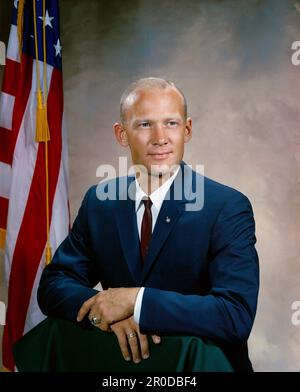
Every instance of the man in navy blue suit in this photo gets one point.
(173, 250)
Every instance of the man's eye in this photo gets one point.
(145, 124)
(172, 123)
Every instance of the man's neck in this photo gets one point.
(150, 184)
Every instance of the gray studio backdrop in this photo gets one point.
(233, 61)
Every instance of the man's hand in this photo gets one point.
(109, 306)
(133, 344)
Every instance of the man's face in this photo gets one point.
(156, 129)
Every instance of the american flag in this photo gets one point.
(23, 163)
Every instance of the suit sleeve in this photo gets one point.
(227, 312)
(68, 280)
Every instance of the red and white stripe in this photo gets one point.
(22, 189)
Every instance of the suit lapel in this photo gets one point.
(128, 232)
(169, 214)
(171, 210)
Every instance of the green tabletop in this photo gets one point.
(59, 345)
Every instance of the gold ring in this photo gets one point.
(95, 321)
(131, 335)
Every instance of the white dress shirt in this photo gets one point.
(157, 198)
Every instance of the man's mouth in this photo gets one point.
(160, 155)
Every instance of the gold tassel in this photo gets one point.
(5, 370)
(48, 255)
(42, 129)
(20, 26)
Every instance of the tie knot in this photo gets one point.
(147, 203)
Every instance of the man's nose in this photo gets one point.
(159, 135)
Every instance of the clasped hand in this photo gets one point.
(111, 310)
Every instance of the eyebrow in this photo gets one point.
(173, 118)
(145, 119)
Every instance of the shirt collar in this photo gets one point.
(157, 197)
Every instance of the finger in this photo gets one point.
(156, 339)
(104, 327)
(144, 345)
(85, 308)
(122, 339)
(134, 347)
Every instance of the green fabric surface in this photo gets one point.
(59, 345)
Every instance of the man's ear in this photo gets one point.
(188, 130)
(121, 134)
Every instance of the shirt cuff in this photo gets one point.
(138, 305)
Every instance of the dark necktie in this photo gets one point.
(146, 229)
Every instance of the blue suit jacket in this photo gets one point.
(201, 271)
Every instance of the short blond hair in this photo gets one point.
(148, 83)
